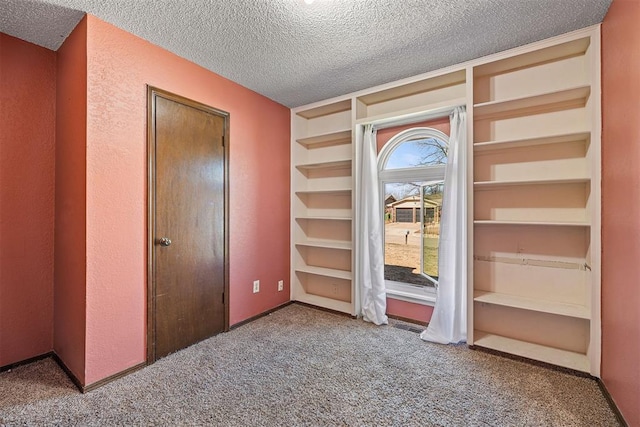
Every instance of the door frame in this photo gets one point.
(152, 94)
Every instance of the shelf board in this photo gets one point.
(323, 218)
(481, 185)
(575, 95)
(325, 110)
(412, 115)
(532, 223)
(327, 272)
(327, 139)
(335, 192)
(331, 304)
(541, 56)
(328, 244)
(409, 89)
(529, 142)
(567, 359)
(340, 164)
(542, 306)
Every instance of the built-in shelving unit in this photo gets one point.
(322, 187)
(534, 193)
(323, 166)
(535, 221)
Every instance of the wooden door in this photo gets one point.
(187, 229)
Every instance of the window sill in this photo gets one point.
(414, 294)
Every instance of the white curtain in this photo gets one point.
(449, 320)
(373, 298)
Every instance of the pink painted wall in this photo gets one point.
(621, 206)
(418, 312)
(120, 66)
(27, 135)
(70, 194)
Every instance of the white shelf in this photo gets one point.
(531, 223)
(543, 306)
(340, 164)
(555, 356)
(328, 244)
(420, 86)
(410, 115)
(482, 185)
(332, 304)
(572, 96)
(529, 59)
(323, 218)
(327, 139)
(529, 142)
(335, 192)
(327, 272)
(325, 110)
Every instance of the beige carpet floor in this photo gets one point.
(304, 367)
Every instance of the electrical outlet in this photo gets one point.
(280, 285)
(334, 289)
(256, 286)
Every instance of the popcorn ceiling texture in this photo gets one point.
(46, 25)
(296, 53)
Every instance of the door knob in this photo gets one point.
(164, 241)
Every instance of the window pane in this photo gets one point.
(418, 152)
(403, 233)
(431, 215)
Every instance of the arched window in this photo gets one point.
(411, 172)
(417, 147)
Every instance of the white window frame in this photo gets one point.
(400, 290)
(385, 122)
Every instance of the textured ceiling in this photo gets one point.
(296, 53)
